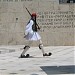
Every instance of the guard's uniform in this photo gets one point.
(30, 34)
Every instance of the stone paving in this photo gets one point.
(61, 62)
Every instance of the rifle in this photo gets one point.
(33, 20)
(28, 11)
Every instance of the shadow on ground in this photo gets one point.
(58, 70)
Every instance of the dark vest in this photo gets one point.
(34, 26)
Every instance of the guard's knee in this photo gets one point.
(40, 46)
(26, 47)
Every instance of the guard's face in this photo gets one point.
(34, 17)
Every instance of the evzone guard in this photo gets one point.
(31, 34)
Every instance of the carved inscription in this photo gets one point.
(56, 19)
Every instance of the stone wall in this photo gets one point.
(56, 22)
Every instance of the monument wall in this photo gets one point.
(56, 21)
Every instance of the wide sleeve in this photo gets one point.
(28, 27)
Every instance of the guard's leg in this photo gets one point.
(41, 47)
(26, 48)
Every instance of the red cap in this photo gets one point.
(34, 14)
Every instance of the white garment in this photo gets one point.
(30, 34)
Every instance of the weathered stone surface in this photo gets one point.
(56, 21)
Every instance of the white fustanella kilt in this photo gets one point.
(34, 36)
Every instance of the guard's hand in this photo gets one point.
(25, 33)
(25, 36)
(39, 28)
